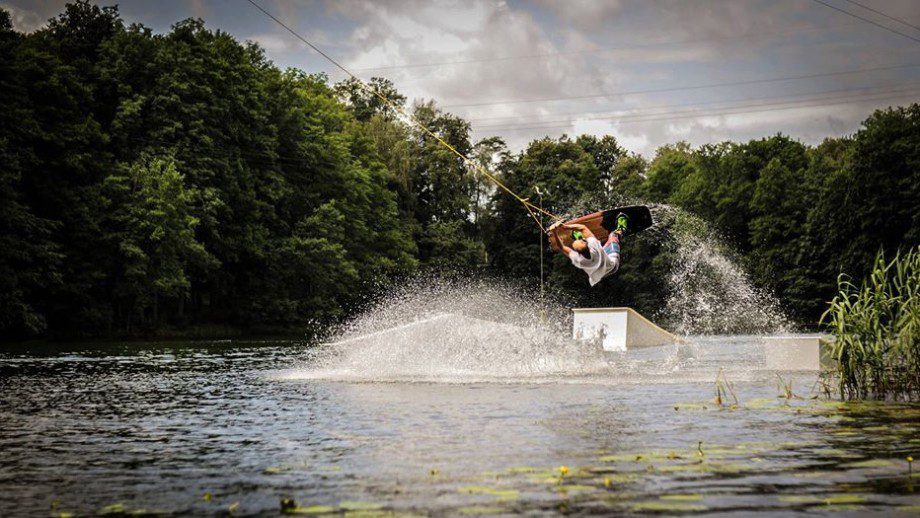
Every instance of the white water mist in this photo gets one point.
(709, 293)
(460, 331)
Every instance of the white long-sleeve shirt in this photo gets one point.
(600, 264)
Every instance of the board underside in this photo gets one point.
(604, 222)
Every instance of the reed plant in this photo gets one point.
(876, 330)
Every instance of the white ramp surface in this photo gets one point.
(619, 329)
(798, 352)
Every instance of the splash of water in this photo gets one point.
(709, 292)
(464, 331)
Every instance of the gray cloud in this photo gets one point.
(584, 15)
(493, 50)
(29, 16)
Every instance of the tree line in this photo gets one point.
(156, 182)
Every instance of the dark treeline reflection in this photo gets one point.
(168, 182)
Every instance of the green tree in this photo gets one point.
(607, 155)
(66, 157)
(443, 188)
(28, 256)
(367, 99)
(818, 255)
(154, 238)
(780, 208)
(667, 171)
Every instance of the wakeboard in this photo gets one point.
(604, 222)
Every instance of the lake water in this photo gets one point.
(209, 428)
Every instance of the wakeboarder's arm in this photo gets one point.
(554, 235)
(562, 248)
(579, 227)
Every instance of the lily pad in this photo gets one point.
(682, 498)
(844, 499)
(118, 508)
(311, 509)
(480, 509)
(502, 494)
(276, 469)
(668, 507)
(571, 488)
(359, 506)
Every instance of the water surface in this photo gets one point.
(208, 427)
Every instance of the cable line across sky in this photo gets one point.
(746, 82)
(532, 209)
(740, 110)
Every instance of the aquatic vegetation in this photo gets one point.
(481, 510)
(563, 471)
(275, 469)
(349, 508)
(359, 506)
(572, 488)
(310, 509)
(876, 330)
(668, 507)
(837, 499)
(724, 387)
(502, 494)
(785, 388)
(120, 509)
(683, 498)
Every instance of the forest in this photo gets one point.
(154, 183)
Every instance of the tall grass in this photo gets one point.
(876, 327)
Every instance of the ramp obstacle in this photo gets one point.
(619, 329)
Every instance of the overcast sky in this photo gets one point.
(647, 72)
